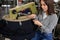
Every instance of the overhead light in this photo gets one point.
(56, 0)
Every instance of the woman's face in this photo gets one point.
(44, 6)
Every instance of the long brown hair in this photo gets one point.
(50, 4)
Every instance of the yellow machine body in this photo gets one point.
(30, 5)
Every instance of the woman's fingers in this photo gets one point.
(37, 22)
(31, 16)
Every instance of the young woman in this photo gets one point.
(46, 21)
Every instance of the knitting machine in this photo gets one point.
(19, 25)
(26, 9)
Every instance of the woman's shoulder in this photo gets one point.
(53, 16)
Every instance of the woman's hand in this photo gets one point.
(37, 22)
(32, 16)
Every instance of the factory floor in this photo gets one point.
(7, 39)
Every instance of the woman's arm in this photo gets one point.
(52, 24)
